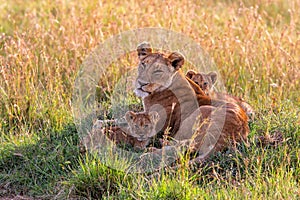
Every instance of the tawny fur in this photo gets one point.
(101, 136)
(138, 133)
(206, 83)
(161, 82)
(141, 126)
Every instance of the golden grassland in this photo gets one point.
(255, 44)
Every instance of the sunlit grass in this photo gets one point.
(255, 45)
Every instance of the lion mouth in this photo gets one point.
(141, 93)
(141, 88)
(142, 139)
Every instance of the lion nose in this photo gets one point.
(142, 83)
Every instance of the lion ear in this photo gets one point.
(143, 50)
(129, 116)
(154, 117)
(190, 74)
(213, 77)
(177, 60)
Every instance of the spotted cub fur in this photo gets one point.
(207, 82)
(141, 127)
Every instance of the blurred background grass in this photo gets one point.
(255, 44)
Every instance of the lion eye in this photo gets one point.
(136, 126)
(146, 126)
(205, 83)
(158, 71)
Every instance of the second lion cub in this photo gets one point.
(206, 83)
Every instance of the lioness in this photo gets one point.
(206, 83)
(180, 103)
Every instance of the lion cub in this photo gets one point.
(206, 83)
(141, 127)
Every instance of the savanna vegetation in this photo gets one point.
(255, 45)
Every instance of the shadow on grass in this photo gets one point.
(54, 165)
(37, 169)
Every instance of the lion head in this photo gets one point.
(155, 70)
(205, 81)
(142, 125)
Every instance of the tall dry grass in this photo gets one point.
(255, 44)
